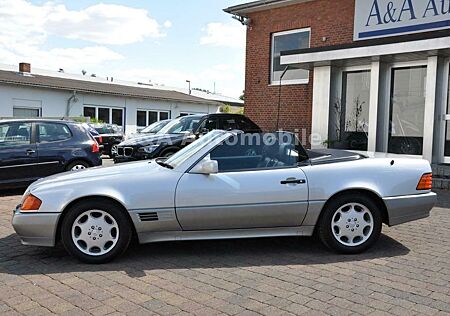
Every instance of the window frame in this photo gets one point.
(272, 53)
(110, 110)
(147, 112)
(28, 108)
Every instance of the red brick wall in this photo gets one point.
(326, 18)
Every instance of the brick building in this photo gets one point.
(365, 75)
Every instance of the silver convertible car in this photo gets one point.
(226, 185)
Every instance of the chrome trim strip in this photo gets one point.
(31, 164)
(239, 205)
(149, 237)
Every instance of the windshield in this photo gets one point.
(181, 125)
(155, 127)
(189, 151)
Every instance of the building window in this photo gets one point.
(117, 116)
(406, 123)
(349, 115)
(105, 114)
(141, 118)
(26, 112)
(89, 112)
(286, 41)
(146, 118)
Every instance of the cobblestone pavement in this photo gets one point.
(407, 273)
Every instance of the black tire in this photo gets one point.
(168, 152)
(125, 231)
(111, 154)
(75, 163)
(325, 230)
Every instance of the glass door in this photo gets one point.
(407, 109)
(447, 126)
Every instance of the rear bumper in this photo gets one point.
(403, 209)
(96, 160)
(36, 229)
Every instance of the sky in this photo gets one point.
(162, 41)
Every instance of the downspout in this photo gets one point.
(73, 97)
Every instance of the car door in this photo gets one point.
(53, 146)
(18, 156)
(255, 188)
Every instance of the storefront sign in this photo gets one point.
(383, 18)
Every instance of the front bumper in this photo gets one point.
(36, 229)
(403, 209)
(121, 159)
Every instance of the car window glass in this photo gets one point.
(256, 152)
(184, 124)
(229, 124)
(50, 132)
(209, 124)
(13, 134)
(189, 151)
(245, 124)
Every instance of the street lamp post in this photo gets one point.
(189, 82)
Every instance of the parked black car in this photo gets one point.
(110, 136)
(32, 149)
(180, 133)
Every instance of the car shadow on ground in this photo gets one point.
(25, 260)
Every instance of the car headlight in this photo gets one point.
(149, 149)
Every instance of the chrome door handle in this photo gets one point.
(30, 152)
(293, 181)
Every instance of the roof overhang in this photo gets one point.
(413, 50)
(244, 9)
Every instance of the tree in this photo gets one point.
(242, 97)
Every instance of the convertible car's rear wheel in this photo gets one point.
(350, 223)
(95, 231)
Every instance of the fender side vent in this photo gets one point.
(148, 217)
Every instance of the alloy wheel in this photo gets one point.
(78, 167)
(95, 233)
(352, 224)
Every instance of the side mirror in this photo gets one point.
(206, 167)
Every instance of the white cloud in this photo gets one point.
(70, 59)
(103, 24)
(100, 23)
(26, 28)
(230, 34)
(228, 78)
(168, 24)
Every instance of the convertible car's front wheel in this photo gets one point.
(95, 231)
(350, 223)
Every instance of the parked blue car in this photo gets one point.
(35, 148)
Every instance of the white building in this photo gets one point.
(27, 94)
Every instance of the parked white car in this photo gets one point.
(226, 185)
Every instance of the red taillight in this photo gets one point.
(30, 203)
(95, 147)
(100, 140)
(426, 182)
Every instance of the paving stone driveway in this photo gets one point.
(407, 273)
